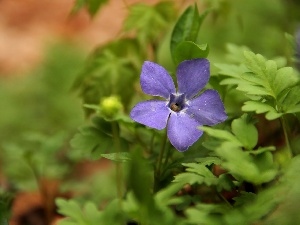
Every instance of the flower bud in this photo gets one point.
(110, 107)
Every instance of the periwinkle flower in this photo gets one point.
(183, 110)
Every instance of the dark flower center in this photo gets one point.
(177, 102)
(175, 107)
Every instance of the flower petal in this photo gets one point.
(207, 109)
(152, 113)
(192, 76)
(155, 80)
(182, 131)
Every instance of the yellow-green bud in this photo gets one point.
(110, 107)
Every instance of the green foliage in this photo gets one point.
(255, 166)
(148, 22)
(117, 157)
(189, 50)
(110, 71)
(93, 141)
(36, 156)
(185, 35)
(93, 6)
(199, 173)
(5, 201)
(270, 88)
(89, 215)
(245, 131)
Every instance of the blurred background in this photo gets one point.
(43, 48)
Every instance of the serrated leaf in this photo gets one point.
(149, 21)
(221, 134)
(198, 173)
(260, 107)
(261, 150)
(91, 141)
(198, 168)
(244, 198)
(285, 78)
(110, 70)
(186, 50)
(268, 76)
(263, 81)
(245, 131)
(70, 209)
(209, 160)
(117, 157)
(245, 166)
(290, 100)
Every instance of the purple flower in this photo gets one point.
(182, 111)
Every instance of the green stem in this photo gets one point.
(117, 145)
(286, 136)
(152, 142)
(168, 154)
(159, 161)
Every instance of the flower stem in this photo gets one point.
(116, 137)
(288, 148)
(159, 161)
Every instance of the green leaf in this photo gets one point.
(186, 50)
(75, 215)
(221, 134)
(149, 21)
(92, 140)
(260, 107)
(245, 166)
(207, 161)
(285, 78)
(264, 83)
(89, 213)
(245, 131)
(261, 150)
(118, 157)
(208, 214)
(110, 71)
(290, 101)
(78, 5)
(186, 28)
(243, 198)
(139, 178)
(266, 74)
(198, 173)
(93, 6)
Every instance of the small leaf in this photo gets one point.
(186, 28)
(221, 134)
(186, 50)
(94, 5)
(243, 198)
(245, 131)
(260, 107)
(262, 150)
(149, 21)
(118, 157)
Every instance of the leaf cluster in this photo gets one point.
(272, 89)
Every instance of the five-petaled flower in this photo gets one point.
(184, 110)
